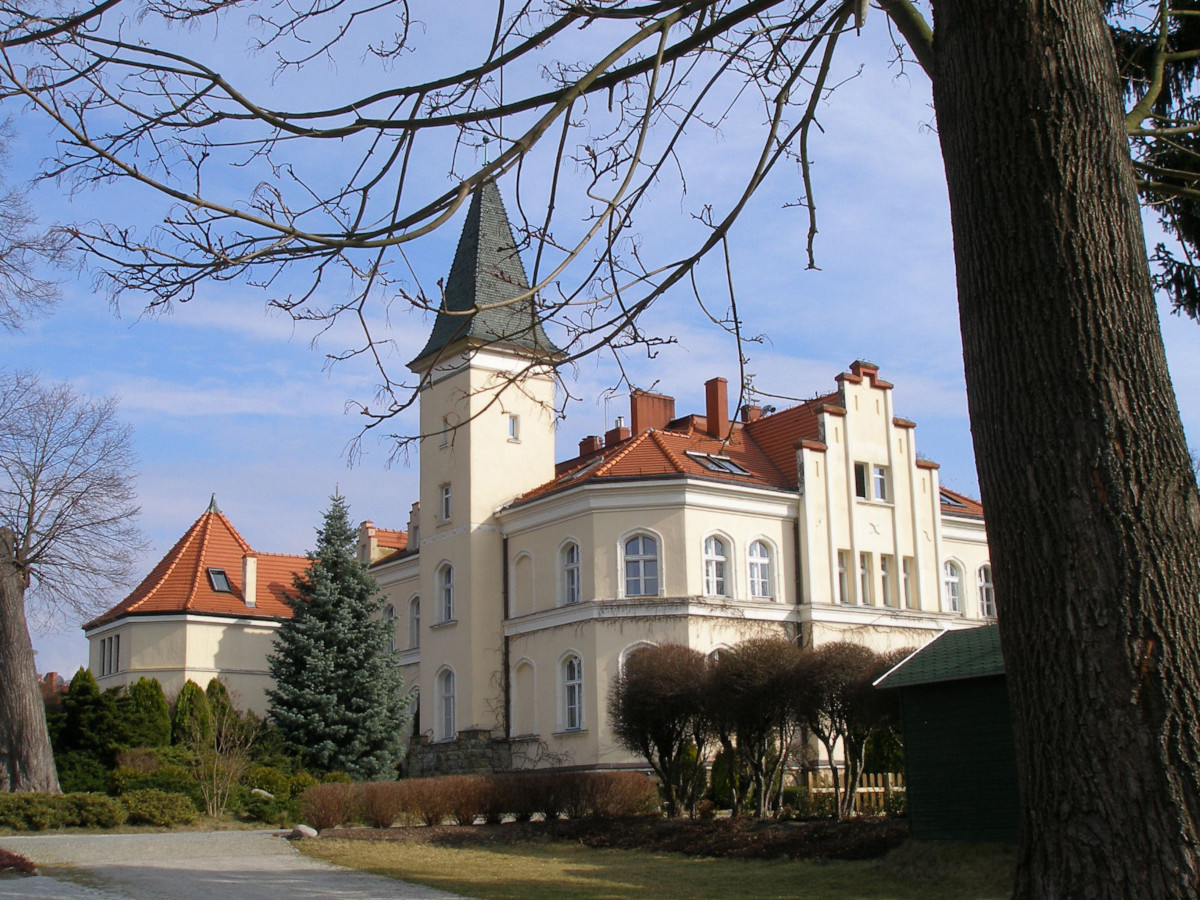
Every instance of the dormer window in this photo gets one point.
(716, 463)
(219, 581)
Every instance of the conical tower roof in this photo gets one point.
(487, 270)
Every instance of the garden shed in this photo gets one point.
(958, 742)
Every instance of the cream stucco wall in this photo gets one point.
(178, 648)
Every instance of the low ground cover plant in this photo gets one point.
(11, 863)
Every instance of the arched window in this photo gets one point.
(572, 693)
(445, 589)
(414, 623)
(445, 683)
(570, 573)
(715, 561)
(641, 566)
(951, 587)
(389, 616)
(987, 593)
(761, 582)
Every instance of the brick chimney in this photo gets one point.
(716, 396)
(250, 579)
(648, 410)
(617, 433)
(593, 443)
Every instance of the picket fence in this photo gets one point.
(873, 790)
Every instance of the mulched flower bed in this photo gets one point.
(862, 838)
(15, 863)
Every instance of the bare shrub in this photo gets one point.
(614, 795)
(429, 800)
(329, 805)
(514, 794)
(142, 760)
(466, 796)
(383, 803)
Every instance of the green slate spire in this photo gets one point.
(487, 269)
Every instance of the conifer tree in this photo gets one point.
(192, 719)
(148, 720)
(339, 699)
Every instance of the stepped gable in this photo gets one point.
(180, 582)
(487, 269)
(778, 433)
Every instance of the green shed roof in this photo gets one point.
(487, 270)
(951, 656)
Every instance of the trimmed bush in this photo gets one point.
(613, 795)
(93, 811)
(430, 800)
(299, 783)
(268, 779)
(154, 807)
(383, 803)
(80, 772)
(466, 796)
(168, 779)
(328, 805)
(31, 812)
(336, 778)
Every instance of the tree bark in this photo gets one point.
(26, 760)
(1092, 509)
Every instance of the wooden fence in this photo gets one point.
(874, 791)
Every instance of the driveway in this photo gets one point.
(224, 865)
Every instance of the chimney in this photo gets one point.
(366, 542)
(414, 527)
(751, 413)
(616, 434)
(650, 410)
(716, 395)
(250, 579)
(593, 443)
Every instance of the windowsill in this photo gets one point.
(570, 731)
(447, 624)
(514, 440)
(887, 503)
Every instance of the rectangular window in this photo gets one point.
(879, 481)
(886, 568)
(444, 503)
(906, 575)
(861, 470)
(110, 655)
(843, 577)
(445, 439)
(514, 428)
(866, 580)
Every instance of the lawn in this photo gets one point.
(565, 871)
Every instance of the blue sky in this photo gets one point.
(228, 398)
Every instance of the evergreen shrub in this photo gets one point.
(79, 771)
(154, 807)
(93, 811)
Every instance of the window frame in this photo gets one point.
(866, 579)
(641, 558)
(218, 577)
(952, 576)
(843, 578)
(571, 573)
(761, 570)
(445, 502)
(887, 575)
(907, 564)
(414, 622)
(571, 683)
(987, 592)
(717, 553)
(445, 592)
(446, 704)
(389, 616)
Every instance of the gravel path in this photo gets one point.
(226, 865)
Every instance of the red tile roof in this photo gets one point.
(180, 582)
(956, 504)
(391, 539)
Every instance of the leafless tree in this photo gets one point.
(1052, 120)
(657, 708)
(752, 705)
(837, 701)
(67, 535)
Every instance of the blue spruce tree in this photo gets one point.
(338, 700)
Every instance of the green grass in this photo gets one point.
(573, 872)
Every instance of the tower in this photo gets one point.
(487, 425)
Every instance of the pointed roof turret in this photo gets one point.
(487, 270)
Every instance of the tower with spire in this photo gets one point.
(487, 425)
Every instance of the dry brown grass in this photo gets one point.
(572, 872)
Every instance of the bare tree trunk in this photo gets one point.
(26, 760)
(1076, 428)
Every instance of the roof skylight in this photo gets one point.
(219, 581)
